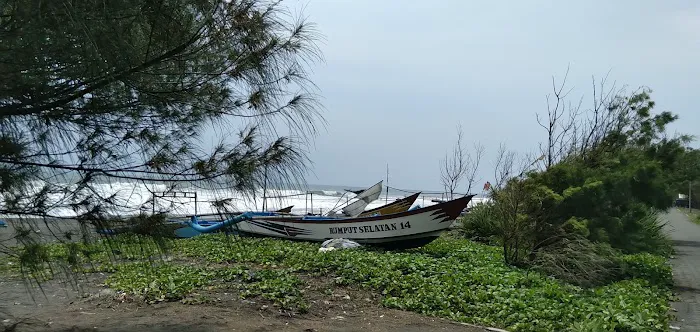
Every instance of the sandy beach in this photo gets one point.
(49, 231)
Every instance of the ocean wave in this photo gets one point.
(134, 198)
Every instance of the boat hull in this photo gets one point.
(405, 229)
(407, 242)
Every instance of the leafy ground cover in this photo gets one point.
(693, 215)
(452, 278)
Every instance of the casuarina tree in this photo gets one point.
(99, 91)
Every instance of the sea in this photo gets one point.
(132, 198)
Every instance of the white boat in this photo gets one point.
(411, 228)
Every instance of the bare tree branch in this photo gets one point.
(458, 164)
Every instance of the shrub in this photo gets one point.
(579, 262)
(645, 233)
(480, 224)
(653, 268)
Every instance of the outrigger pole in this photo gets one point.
(386, 199)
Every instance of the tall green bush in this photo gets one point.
(598, 197)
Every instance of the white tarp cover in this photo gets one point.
(333, 244)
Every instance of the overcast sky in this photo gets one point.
(400, 75)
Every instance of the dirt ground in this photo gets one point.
(92, 307)
(89, 306)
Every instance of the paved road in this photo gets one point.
(686, 269)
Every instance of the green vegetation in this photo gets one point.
(589, 214)
(166, 281)
(595, 196)
(653, 268)
(158, 282)
(452, 278)
(687, 176)
(693, 214)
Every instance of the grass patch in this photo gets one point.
(465, 281)
(693, 215)
(452, 278)
(43, 261)
(167, 282)
(655, 269)
(159, 282)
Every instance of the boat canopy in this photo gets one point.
(363, 199)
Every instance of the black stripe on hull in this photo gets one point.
(441, 216)
(280, 229)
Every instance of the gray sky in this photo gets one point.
(400, 75)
